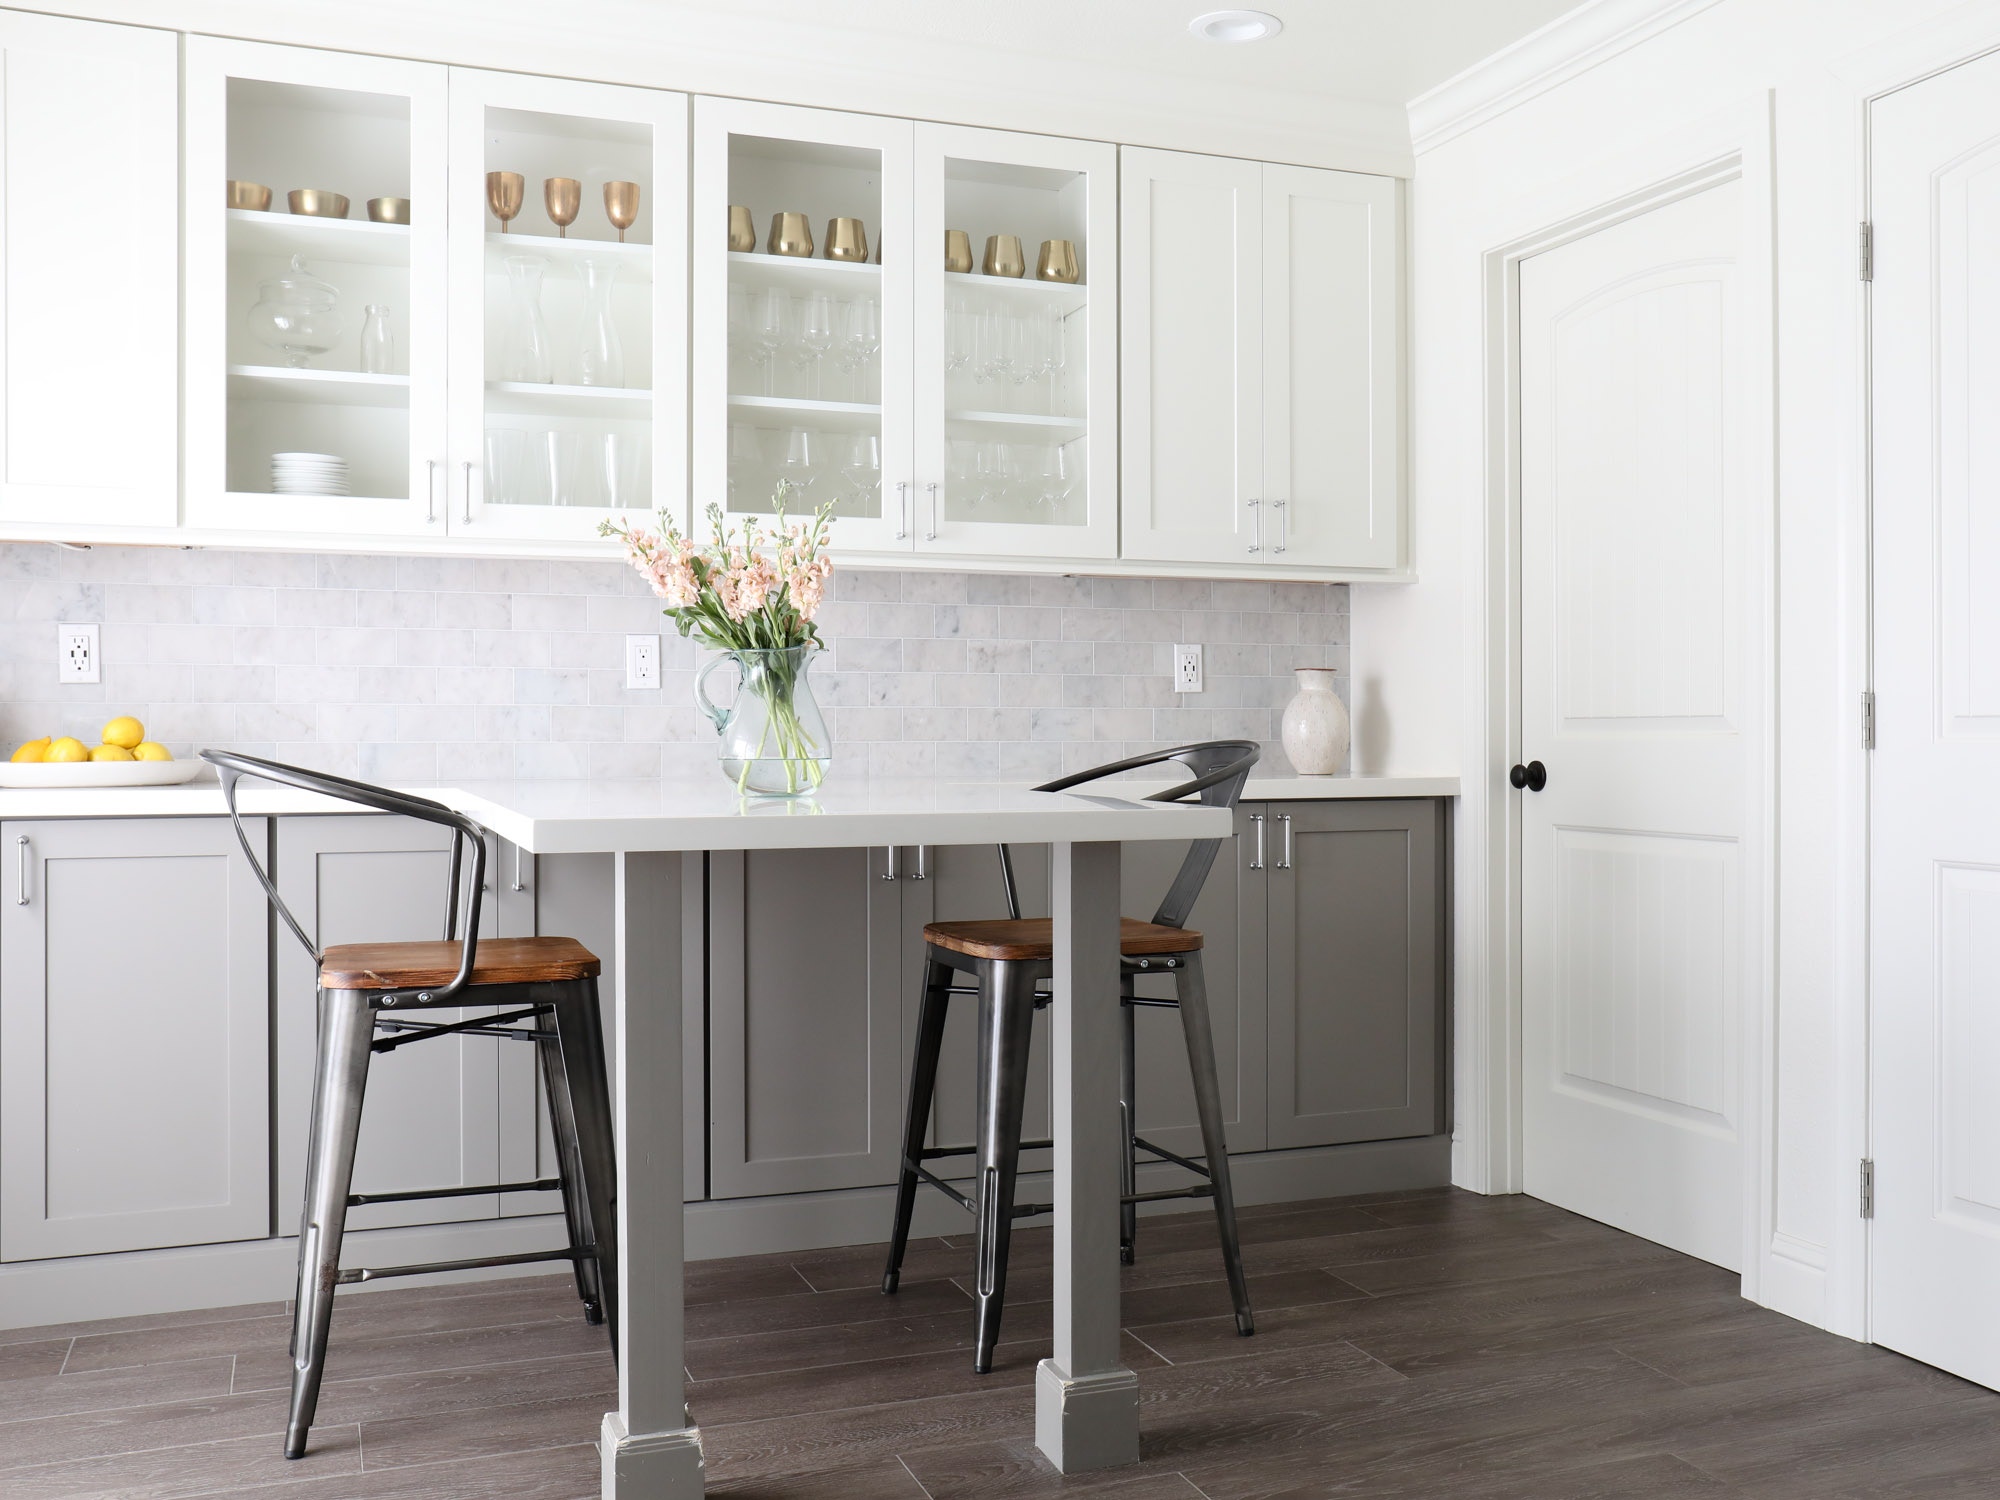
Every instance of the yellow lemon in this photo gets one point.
(33, 751)
(111, 752)
(151, 750)
(66, 751)
(124, 732)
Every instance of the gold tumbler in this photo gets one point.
(846, 239)
(251, 195)
(957, 250)
(742, 232)
(1057, 262)
(1003, 255)
(790, 235)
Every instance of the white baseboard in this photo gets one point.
(33, 1293)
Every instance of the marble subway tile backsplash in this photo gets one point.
(420, 668)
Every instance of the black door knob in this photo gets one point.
(1534, 776)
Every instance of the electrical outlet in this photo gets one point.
(77, 654)
(1187, 669)
(642, 661)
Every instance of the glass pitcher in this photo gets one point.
(774, 739)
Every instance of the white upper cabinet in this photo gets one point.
(568, 341)
(1262, 364)
(88, 392)
(278, 302)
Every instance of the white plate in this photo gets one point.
(100, 773)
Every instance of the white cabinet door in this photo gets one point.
(786, 395)
(1333, 382)
(134, 1057)
(1017, 379)
(1191, 330)
(365, 128)
(547, 440)
(88, 403)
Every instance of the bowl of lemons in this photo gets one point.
(123, 756)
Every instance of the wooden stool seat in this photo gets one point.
(1027, 938)
(405, 966)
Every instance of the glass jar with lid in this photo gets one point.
(297, 314)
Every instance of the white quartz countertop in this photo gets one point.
(547, 817)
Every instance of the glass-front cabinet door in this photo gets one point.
(802, 295)
(315, 291)
(1016, 322)
(568, 229)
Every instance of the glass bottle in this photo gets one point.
(600, 358)
(378, 342)
(524, 355)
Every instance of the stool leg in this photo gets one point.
(580, 1028)
(1006, 1032)
(1192, 991)
(1128, 1120)
(933, 1009)
(349, 1026)
(312, 1150)
(569, 1167)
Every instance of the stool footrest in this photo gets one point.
(1199, 1190)
(941, 1185)
(1197, 1167)
(423, 1031)
(932, 1153)
(539, 1185)
(477, 1263)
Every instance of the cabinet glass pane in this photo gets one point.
(568, 311)
(300, 289)
(805, 329)
(1014, 372)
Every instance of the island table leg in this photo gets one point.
(649, 1448)
(1086, 1401)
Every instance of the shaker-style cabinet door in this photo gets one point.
(1333, 369)
(1191, 270)
(90, 297)
(135, 1079)
(805, 977)
(1354, 938)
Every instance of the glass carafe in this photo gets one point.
(296, 313)
(600, 358)
(524, 354)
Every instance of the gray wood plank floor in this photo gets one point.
(1423, 1344)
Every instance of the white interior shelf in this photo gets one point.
(1068, 296)
(634, 261)
(792, 411)
(354, 241)
(320, 387)
(797, 273)
(1027, 427)
(527, 398)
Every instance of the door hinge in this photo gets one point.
(1867, 251)
(1867, 1188)
(1868, 720)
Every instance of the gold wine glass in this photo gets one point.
(562, 196)
(504, 193)
(621, 206)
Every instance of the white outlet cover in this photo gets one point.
(78, 657)
(642, 661)
(1187, 669)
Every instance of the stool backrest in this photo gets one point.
(231, 768)
(1220, 767)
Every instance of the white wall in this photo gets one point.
(1420, 651)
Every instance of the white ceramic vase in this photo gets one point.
(1315, 728)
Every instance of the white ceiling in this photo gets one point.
(1367, 51)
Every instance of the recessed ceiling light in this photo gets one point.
(1235, 26)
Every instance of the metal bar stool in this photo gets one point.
(365, 993)
(1008, 960)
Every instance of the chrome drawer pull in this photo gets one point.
(1257, 859)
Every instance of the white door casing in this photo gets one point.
(1935, 778)
(1638, 877)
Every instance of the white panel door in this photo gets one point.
(1636, 859)
(1333, 369)
(1935, 781)
(90, 412)
(1191, 331)
(135, 1081)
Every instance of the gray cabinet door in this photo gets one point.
(433, 1112)
(805, 1017)
(134, 1057)
(1353, 936)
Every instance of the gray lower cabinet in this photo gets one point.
(134, 1044)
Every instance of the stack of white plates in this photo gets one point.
(308, 474)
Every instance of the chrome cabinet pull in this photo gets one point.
(1285, 859)
(467, 467)
(430, 491)
(1284, 526)
(21, 847)
(1257, 858)
(1257, 516)
(922, 871)
(902, 516)
(931, 535)
(890, 873)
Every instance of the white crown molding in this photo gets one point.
(1542, 60)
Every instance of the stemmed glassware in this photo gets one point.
(814, 335)
(764, 333)
(863, 472)
(747, 476)
(860, 343)
(799, 467)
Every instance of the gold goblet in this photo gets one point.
(621, 206)
(562, 197)
(1057, 262)
(1003, 255)
(790, 235)
(846, 239)
(742, 231)
(504, 193)
(957, 250)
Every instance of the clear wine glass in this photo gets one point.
(961, 472)
(1054, 480)
(799, 467)
(814, 336)
(748, 481)
(769, 317)
(993, 352)
(861, 341)
(863, 472)
(1052, 357)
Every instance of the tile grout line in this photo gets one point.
(63, 1368)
